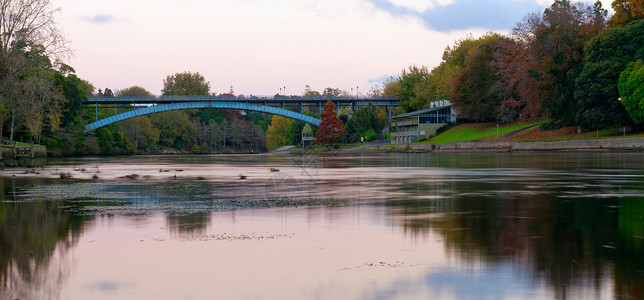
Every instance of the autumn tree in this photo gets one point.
(472, 94)
(278, 133)
(555, 42)
(185, 84)
(440, 82)
(515, 85)
(390, 87)
(417, 86)
(331, 129)
(625, 12)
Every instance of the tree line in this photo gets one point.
(571, 64)
(183, 131)
(41, 101)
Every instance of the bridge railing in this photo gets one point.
(241, 98)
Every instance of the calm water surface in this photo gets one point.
(389, 226)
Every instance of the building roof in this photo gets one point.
(420, 112)
(307, 129)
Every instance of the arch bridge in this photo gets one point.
(287, 106)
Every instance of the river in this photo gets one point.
(383, 226)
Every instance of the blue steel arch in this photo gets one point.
(212, 104)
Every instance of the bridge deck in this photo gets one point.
(378, 101)
(273, 105)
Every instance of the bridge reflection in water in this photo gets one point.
(287, 106)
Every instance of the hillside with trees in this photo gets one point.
(564, 64)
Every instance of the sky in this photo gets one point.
(264, 47)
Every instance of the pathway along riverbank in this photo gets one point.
(622, 144)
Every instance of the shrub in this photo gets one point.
(369, 135)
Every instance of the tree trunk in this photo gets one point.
(13, 118)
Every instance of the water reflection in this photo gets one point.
(34, 240)
(532, 224)
(188, 225)
(423, 225)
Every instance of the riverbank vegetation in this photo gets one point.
(563, 64)
(571, 65)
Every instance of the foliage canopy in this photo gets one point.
(185, 84)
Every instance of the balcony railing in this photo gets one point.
(407, 123)
(397, 134)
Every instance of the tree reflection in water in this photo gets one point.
(35, 237)
(562, 221)
(570, 243)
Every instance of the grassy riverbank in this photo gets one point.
(513, 137)
(522, 132)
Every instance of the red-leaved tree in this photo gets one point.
(331, 128)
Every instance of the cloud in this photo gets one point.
(467, 14)
(396, 10)
(100, 19)
(490, 14)
(380, 80)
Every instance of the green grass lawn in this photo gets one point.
(610, 133)
(488, 132)
(476, 131)
(503, 130)
(6, 142)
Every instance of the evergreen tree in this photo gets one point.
(631, 90)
